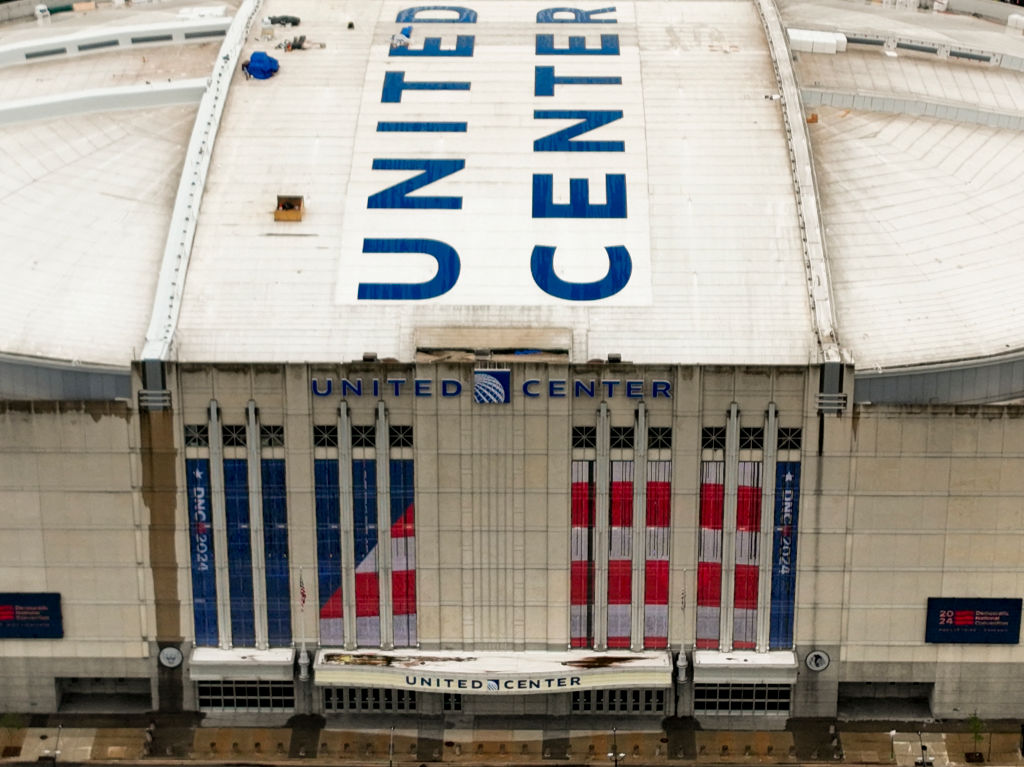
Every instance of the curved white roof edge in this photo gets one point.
(105, 39)
(819, 283)
(181, 231)
(103, 100)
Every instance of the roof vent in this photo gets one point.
(290, 207)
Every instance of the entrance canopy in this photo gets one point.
(215, 664)
(493, 673)
(744, 667)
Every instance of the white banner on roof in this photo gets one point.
(499, 158)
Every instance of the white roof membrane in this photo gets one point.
(925, 225)
(86, 202)
(710, 224)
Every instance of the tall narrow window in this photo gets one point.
(236, 509)
(748, 530)
(709, 555)
(581, 591)
(659, 507)
(275, 548)
(364, 496)
(620, 553)
(328, 550)
(403, 553)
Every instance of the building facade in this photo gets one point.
(506, 535)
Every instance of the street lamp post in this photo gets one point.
(924, 750)
(615, 755)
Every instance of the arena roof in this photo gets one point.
(149, 230)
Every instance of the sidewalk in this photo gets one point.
(174, 740)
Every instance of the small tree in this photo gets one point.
(977, 728)
(9, 725)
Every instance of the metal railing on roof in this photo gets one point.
(178, 247)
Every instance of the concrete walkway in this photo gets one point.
(681, 743)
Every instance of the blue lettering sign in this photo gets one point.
(634, 389)
(397, 196)
(544, 81)
(661, 389)
(462, 15)
(580, 388)
(576, 16)
(395, 85)
(450, 387)
(542, 266)
(420, 127)
(561, 141)
(327, 390)
(422, 387)
(556, 387)
(396, 385)
(448, 267)
(610, 386)
(544, 45)
(347, 387)
(432, 47)
(579, 198)
(528, 387)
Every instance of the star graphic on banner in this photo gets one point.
(789, 476)
(198, 474)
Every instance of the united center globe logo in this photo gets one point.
(491, 386)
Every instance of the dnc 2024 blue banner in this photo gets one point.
(200, 528)
(973, 621)
(783, 603)
(30, 616)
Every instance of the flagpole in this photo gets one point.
(303, 655)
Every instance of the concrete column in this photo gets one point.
(387, 627)
(602, 478)
(764, 576)
(732, 458)
(220, 527)
(346, 527)
(639, 578)
(259, 565)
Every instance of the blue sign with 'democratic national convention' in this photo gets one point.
(499, 159)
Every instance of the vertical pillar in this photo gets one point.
(346, 528)
(732, 457)
(259, 566)
(639, 580)
(602, 479)
(764, 581)
(220, 527)
(158, 461)
(387, 626)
